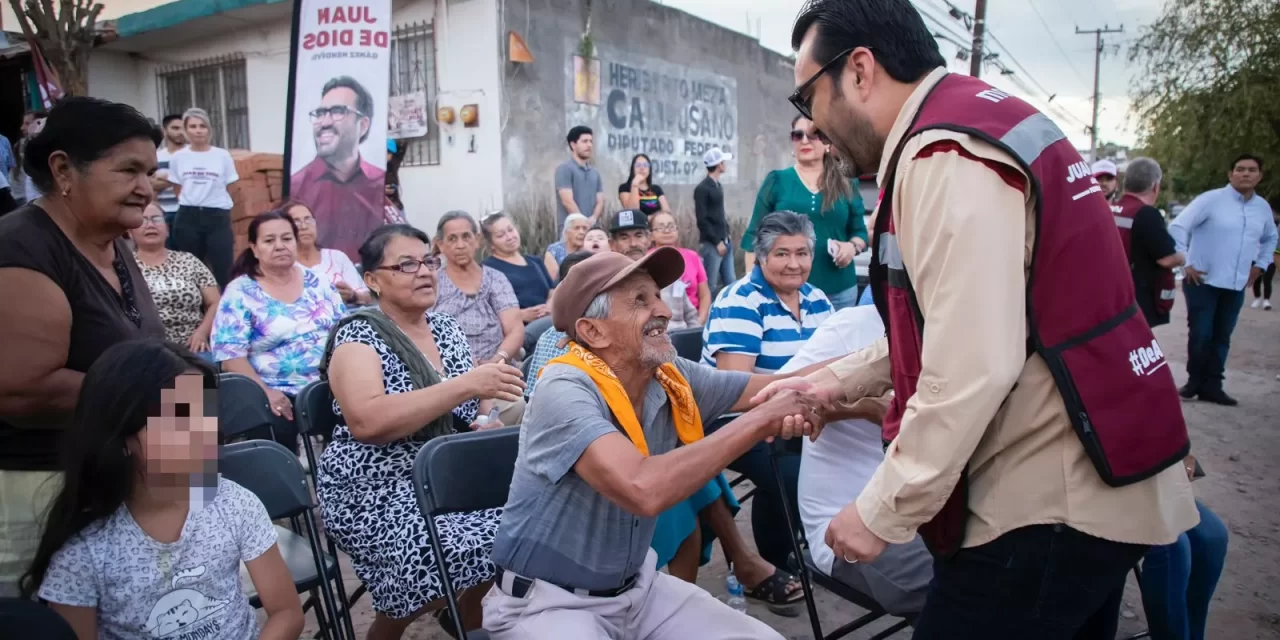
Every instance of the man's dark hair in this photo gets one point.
(891, 29)
(572, 259)
(1246, 156)
(170, 118)
(364, 101)
(578, 132)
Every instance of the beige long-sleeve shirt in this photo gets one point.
(966, 238)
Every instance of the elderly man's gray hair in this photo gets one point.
(599, 307)
(456, 215)
(1142, 175)
(778, 224)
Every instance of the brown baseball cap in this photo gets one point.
(602, 272)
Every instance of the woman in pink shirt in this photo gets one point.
(665, 233)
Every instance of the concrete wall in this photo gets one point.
(467, 72)
(646, 35)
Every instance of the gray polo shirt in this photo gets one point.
(555, 527)
(585, 182)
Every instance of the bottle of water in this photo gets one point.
(735, 598)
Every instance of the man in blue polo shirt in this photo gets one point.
(1228, 237)
(756, 325)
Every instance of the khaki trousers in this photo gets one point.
(25, 497)
(658, 607)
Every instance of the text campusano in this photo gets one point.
(691, 108)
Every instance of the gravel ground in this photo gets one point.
(1239, 449)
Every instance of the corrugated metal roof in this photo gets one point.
(173, 14)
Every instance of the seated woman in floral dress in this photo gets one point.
(401, 376)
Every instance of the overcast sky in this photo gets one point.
(1039, 34)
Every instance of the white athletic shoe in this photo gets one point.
(1257, 303)
(1266, 305)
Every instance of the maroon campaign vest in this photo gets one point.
(1166, 290)
(1081, 314)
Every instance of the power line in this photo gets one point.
(1055, 41)
(1061, 112)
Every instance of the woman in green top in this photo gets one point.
(814, 187)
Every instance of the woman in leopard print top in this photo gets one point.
(184, 289)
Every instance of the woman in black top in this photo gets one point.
(71, 289)
(639, 192)
(527, 274)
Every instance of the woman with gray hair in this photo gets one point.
(202, 226)
(480, 298)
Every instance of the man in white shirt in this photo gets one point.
(835, 468)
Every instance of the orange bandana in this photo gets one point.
(684, 410)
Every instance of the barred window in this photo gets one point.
(216, 85)
(413, 68)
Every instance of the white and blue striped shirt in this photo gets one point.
(749, 319)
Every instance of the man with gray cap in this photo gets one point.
(613, 438)
(715, 246)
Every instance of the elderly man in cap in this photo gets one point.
(612, 439)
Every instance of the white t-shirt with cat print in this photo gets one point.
(185, 590)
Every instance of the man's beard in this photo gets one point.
(858, 147)
(653, 356)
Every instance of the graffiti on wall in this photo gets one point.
(672, 113)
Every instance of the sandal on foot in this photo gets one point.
(781, 588)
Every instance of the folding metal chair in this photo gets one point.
(688, 343)
(810, 573)
(463, 472)
(274, 474)
(30, 619)
(242, 407)
(313, 412)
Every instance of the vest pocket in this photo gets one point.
(1121, 398)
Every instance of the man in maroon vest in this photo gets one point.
(1035, 429)
(1146, 241)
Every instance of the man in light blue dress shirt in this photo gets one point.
(1228, 237)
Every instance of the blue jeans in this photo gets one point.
(1211, 317)
(1178, 579)
(719, 268)
(169, 217)
(844, 299)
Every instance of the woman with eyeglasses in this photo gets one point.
(402, 375)
(274, 318)
(639, 192)
(183, 288)
(815, 187)
(202, 226)
(666, 233)
(330, 264)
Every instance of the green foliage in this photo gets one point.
(1209, 90)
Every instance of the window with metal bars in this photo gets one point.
(216, 85)
(413, 68)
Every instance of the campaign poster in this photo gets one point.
(336, 145)
(408, 117)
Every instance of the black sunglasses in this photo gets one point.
(800, 99)
(817, 136)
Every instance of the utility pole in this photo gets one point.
(979, 27)
(1097, 64)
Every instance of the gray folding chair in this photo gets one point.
(809, 572)
(458, 473)
(688, 343)
(273, 473)
(313, 412)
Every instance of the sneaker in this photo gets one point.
(1257, 303)
(1266, 305)
(1218, 397)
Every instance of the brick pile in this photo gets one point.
(257, 191)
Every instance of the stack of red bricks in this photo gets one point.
(258, 190)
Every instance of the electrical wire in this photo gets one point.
(1055, 41)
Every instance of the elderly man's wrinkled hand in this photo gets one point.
(790, 413)
(821, 384)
